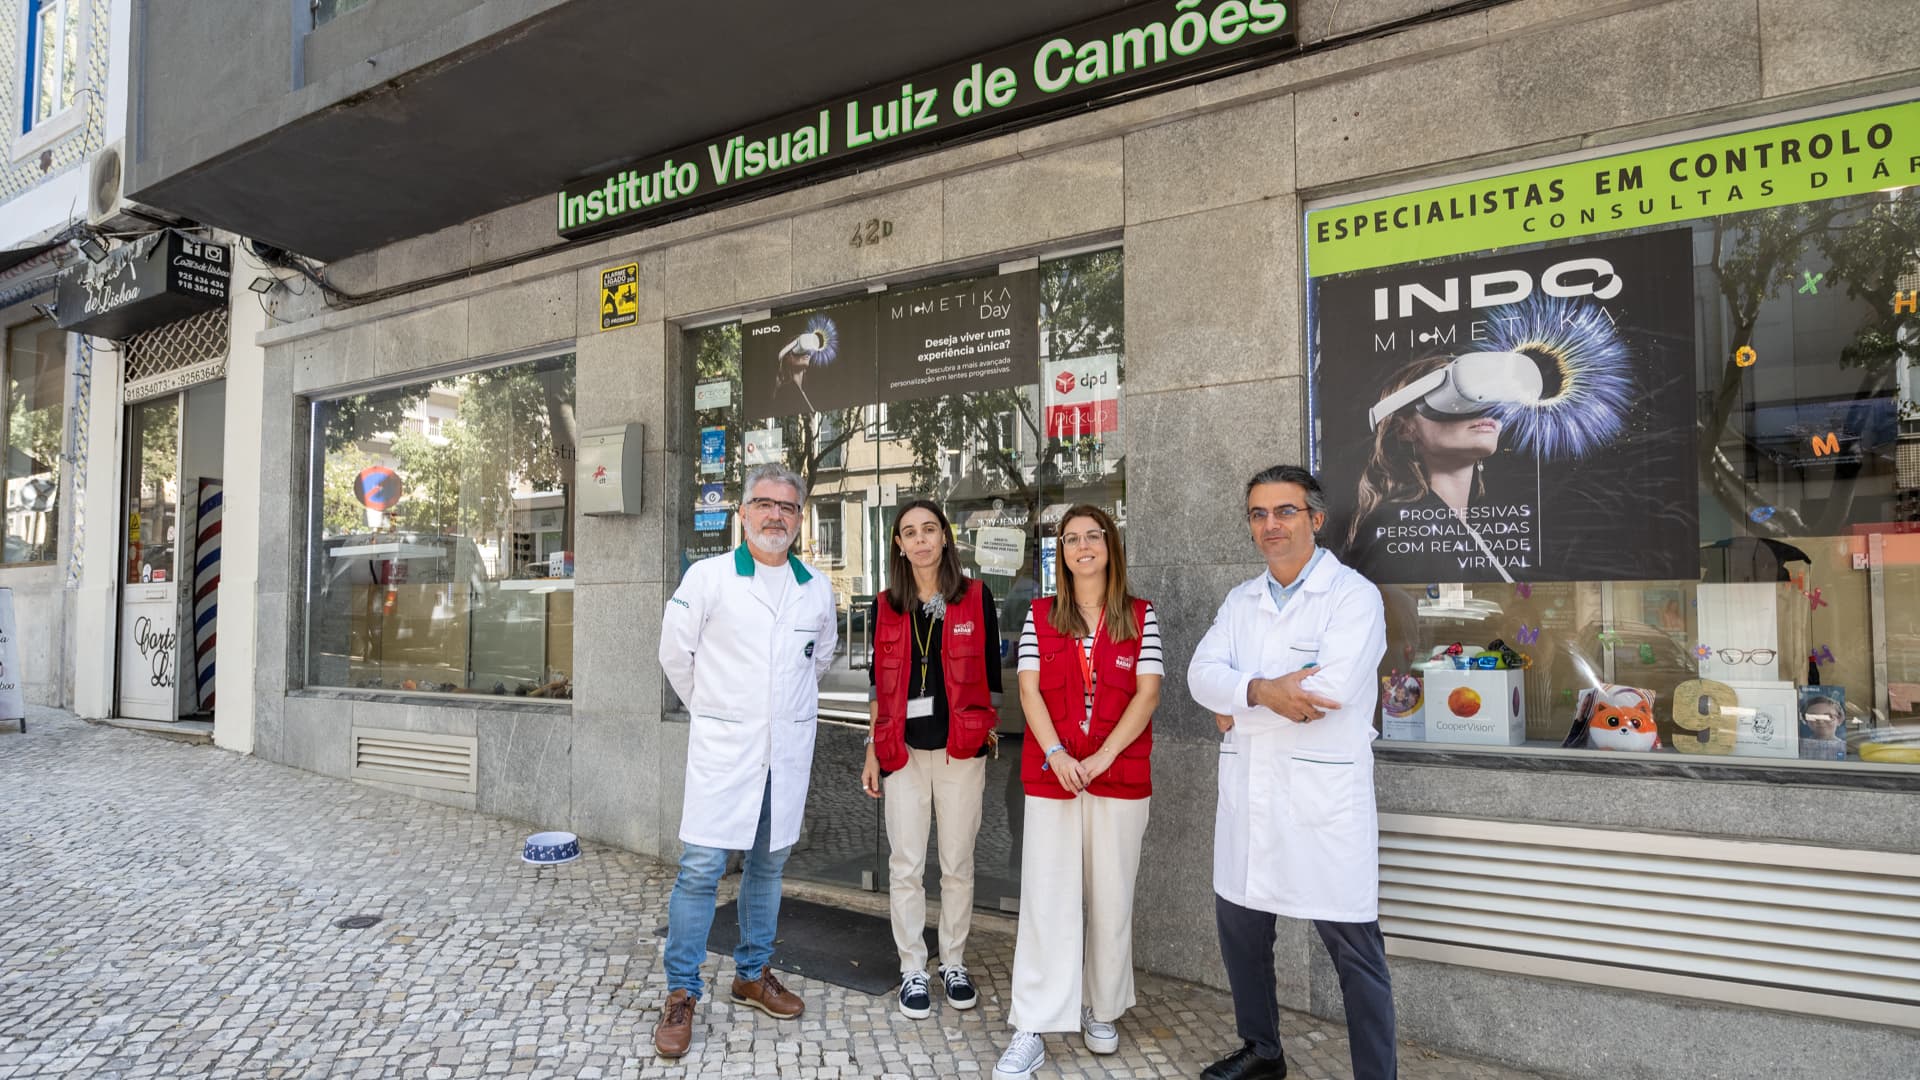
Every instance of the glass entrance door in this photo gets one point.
(149, 643)
(1004, 458)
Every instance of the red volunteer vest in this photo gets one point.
(964, 656)
(1065, 689)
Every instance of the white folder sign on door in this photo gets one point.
(13, 704)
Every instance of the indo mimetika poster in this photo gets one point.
(1519, 417)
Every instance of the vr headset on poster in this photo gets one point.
(1471, 385)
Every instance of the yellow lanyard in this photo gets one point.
(924, 646)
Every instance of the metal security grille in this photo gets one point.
(176, 345)
(1814, 929)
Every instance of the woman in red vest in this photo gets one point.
(1090, 671)
(936, 673)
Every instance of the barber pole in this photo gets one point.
(206, 590)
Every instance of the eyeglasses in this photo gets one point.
(1285, 512)
(1748, 656)
(764, 505)
(1090, 538)
(1497, 656)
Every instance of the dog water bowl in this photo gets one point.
(551, 849)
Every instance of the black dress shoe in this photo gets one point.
(1244, 1064)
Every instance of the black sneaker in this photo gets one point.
(915, 1004)
(960, 991)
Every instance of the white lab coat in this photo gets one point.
(1296, 831)
(750, 677)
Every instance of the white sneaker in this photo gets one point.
(1100, 1038)
(1024, 1056)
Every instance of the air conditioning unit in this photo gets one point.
(108, 207)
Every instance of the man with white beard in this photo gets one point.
(744, 642)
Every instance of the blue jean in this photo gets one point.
(690, 912)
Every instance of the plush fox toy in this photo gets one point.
(1615, 718)
(1623, 720)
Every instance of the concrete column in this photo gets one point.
(96, 525)
(234, 657)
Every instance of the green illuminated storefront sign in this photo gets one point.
(1778, 166)
(1144, 45)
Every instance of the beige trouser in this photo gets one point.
(932, 785)
(1075, 947)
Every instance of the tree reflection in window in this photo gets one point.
(1758, 264)
(1001, 433)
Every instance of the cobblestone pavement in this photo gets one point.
(169, 910)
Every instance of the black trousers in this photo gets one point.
(1359, 959)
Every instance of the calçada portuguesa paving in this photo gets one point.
(169, 910)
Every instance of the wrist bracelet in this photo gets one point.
(1046, 759)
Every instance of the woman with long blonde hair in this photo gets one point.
(1090, 670)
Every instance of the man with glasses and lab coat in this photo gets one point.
(1289, 669)
(744, 642)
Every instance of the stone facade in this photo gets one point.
(1204, 187)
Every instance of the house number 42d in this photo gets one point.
(870, 232)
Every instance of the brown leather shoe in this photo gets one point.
(766, 994)
(674, 1034)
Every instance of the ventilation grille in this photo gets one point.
(1719, 916)
(412, 757)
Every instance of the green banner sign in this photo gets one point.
(1777, 166)
(1123, 51)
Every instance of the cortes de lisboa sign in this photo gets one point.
(156, 279)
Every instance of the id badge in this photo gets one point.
(919, 707)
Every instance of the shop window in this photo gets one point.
(1647, 486)
(442, 555)
(997, 395)
(325, 11)
(36, 364)
(829, 530)
(833, 441)
(53, 60)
